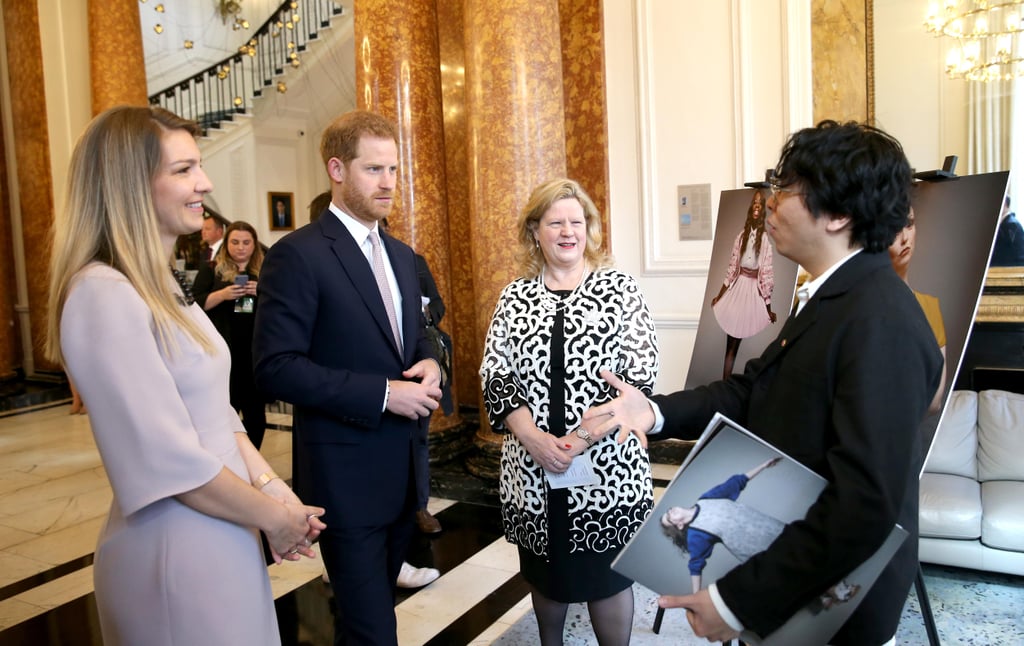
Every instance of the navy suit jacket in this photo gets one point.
(323, 342)
(842, 389)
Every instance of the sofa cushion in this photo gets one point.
(955, 446)
(950, 506)
(1002, 526)
(1000, 435)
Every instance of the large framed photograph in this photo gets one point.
(281, 208)
(731, 498)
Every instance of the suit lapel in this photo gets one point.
(851, 273)
(354, 263)
(794, 327)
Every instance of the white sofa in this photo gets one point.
(972, 489)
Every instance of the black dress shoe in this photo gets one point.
(427, 523)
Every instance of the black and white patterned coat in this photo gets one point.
(607, 326)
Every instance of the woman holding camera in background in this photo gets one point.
(227, 293)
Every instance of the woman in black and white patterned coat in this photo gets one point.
(569, 316)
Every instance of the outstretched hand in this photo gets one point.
(629, 412)
(702, 615)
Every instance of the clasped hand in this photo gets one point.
(418, 398)
(552, 453)
(298, 528)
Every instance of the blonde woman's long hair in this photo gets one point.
(227, 268)
(109, 218)
(530, 257)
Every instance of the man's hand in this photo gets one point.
(592, 425)
(630, 412)
(411, 399)
(702, 615)
(427, 371)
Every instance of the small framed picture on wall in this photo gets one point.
(281, 207)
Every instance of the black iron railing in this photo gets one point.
(229, 87)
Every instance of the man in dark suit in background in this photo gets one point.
(842, 389)
(339, 334)
(212, 237)
(1009, 247)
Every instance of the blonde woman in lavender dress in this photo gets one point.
(179, 558)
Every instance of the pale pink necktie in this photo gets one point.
(382, 285)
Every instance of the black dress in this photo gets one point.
(565, 577)
(236, 328)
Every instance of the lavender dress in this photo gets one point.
(164, 573)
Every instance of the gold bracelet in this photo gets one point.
(264, 479)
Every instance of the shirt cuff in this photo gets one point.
(387, 393)
(659, 419)
(440, 371)
(723, 610)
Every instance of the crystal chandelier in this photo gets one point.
(987, 34)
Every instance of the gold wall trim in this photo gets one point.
(1002, 300)
(869, 53)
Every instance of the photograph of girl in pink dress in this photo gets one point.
(743, 306)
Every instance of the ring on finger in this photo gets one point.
(293, 550)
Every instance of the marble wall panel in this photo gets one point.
(839, 51)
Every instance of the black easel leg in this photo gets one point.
(658, 616)
(926, 608)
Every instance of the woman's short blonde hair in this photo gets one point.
(530, 257)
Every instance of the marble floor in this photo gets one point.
(54, 495)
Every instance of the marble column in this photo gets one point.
(586, 107)
(516, 140)
(8, 293)
(117, 63)
(31, 179)
(398, 75)
(582, 43)
(462, 312)
(516, 129)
